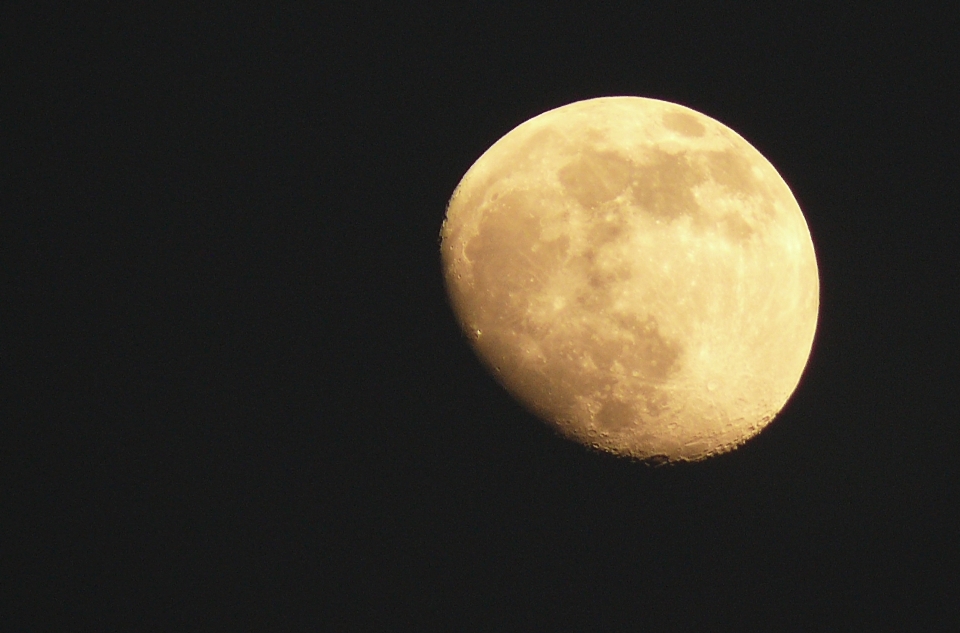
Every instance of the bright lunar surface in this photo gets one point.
(636, 274)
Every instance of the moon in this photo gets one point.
(636, 274)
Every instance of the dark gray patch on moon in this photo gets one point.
(595, 177)
(607, 226)
(683, 123)
(736, 229)
(650, 354)
(732, 171)
(663, 186)
(510, 261)
(615, 415)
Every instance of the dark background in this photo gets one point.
(238, 400)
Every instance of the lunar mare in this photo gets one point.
(636, 274)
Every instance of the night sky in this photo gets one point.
(237, 398)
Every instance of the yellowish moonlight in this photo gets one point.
(635, 273)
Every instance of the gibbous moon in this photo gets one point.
(636, 274)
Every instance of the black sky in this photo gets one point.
(238, 400)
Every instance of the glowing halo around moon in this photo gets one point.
(636, 274)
